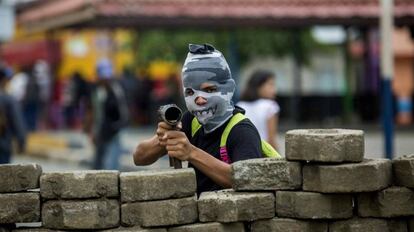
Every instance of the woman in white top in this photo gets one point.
(261, 108)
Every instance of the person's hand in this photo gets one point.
(177, 145)
(162, 129)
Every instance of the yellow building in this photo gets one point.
(82, 49)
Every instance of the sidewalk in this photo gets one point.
(75, 149)
(70, 146)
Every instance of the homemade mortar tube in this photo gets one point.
(171, 114)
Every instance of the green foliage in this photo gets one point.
(172, 45)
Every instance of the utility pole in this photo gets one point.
(387, 73)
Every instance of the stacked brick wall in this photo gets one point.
(324, 184)
(19, 199)
(80, 200)
(158, 198)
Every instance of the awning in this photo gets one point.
(136, 13)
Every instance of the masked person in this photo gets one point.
(208, 90)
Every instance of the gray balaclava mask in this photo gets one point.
(204, 64)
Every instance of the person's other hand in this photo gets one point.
(177, 145)
(162, 129)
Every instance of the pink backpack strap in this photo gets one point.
(224, 155)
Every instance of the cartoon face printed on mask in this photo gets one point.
(208, 87)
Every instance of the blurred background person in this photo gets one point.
(129, 83)
(142, 103)
(76, 95)
(258, 99)
(41, 72)
(11, 123)
(25, 89)
(31, 101)
(17, 84)
(108, 116)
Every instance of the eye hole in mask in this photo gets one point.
(210, 89)
(206, 89)
(188, 92)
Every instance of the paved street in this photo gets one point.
(77, 153)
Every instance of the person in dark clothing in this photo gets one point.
(31, 101)
(143, 99)
(76, 95)
(110, 115)
(208, 90)
(130, 84)
(11, 122)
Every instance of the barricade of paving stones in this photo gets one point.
(322, 185)
(19, 194)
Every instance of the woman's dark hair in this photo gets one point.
(257, 79)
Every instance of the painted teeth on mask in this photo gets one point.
(210, 110)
